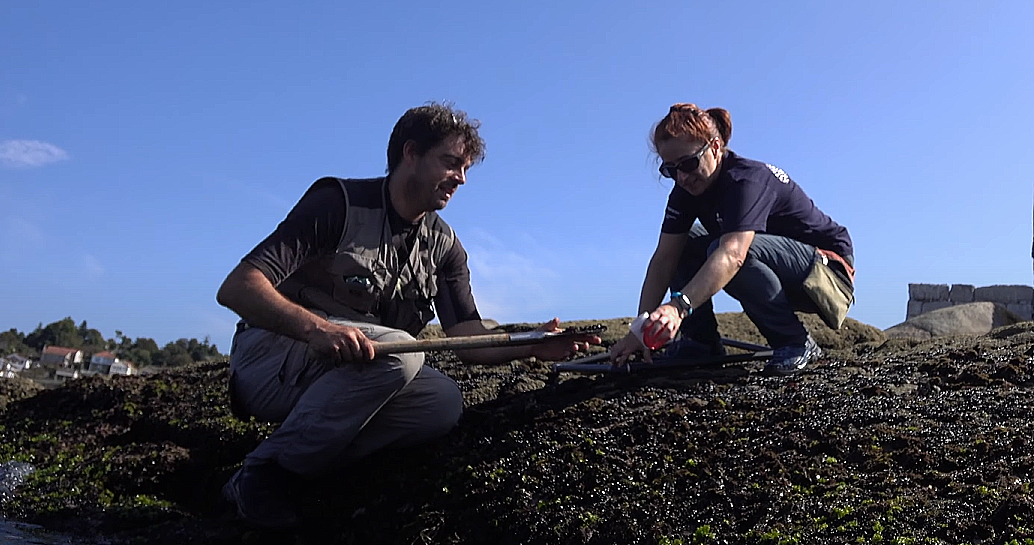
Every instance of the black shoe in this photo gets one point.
(689, 349)
(260, 491)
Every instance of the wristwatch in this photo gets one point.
(681, 301)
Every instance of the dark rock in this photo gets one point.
(894, 441)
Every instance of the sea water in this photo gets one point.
(11, 475)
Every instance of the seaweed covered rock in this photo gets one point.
(119, 451)
(15, 388)
(896, 441)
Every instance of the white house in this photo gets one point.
(58, 356)
(12, 365)
(123, 368)
(8, 369)
(63, 375)
(101, 362)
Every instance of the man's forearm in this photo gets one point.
(486, 356)
(250, 294)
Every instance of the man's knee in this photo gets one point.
(448, 403)
(410, 363)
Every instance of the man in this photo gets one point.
(357, 262)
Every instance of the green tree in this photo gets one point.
(142, 351)
(139, 356)
(13, 342)
(92, 338)
(60, 333)
(145, 343)
(175, 354)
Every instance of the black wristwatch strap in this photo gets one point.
(682, 302)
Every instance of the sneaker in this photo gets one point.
(787, 360)
(259, 492)
(689, 349)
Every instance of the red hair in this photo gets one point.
(687, 120)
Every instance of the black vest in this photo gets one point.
(366, 279)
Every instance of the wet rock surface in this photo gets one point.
(15, 388)
(895, 441)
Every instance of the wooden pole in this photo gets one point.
(466, 342)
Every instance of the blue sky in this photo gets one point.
(144, 149)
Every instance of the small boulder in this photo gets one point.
(968, 319)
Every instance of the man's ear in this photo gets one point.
(410, 151)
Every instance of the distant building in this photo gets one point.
(14, 362)
(10, 368)
(101, 362)
(58, 356)
(13, 365)
(123, 368)
(63, 375)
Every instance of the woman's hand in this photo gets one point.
(623, 349)
(662, 325)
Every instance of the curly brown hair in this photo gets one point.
(428, 126)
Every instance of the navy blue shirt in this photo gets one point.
(750, 195)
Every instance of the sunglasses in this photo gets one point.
(689, 165)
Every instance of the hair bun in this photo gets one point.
(684, 107)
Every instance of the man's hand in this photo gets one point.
(562, 347)
(340, 344)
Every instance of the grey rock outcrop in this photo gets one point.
(965, 319)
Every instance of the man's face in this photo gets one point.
(438, 173)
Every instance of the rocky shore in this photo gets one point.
(882, 441)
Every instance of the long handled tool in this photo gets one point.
(482, 341)
(588, 364)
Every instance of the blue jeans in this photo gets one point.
(768, 286)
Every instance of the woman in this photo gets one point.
(758, 238)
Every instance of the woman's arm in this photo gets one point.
(720, 266)
(661, 270)
(658, 276)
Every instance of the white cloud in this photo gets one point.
(92, 268)
(29, 153)
(510, 286)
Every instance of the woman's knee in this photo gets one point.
(754, 280)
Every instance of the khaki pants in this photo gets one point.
(334, 414)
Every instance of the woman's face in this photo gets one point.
(692, 163)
